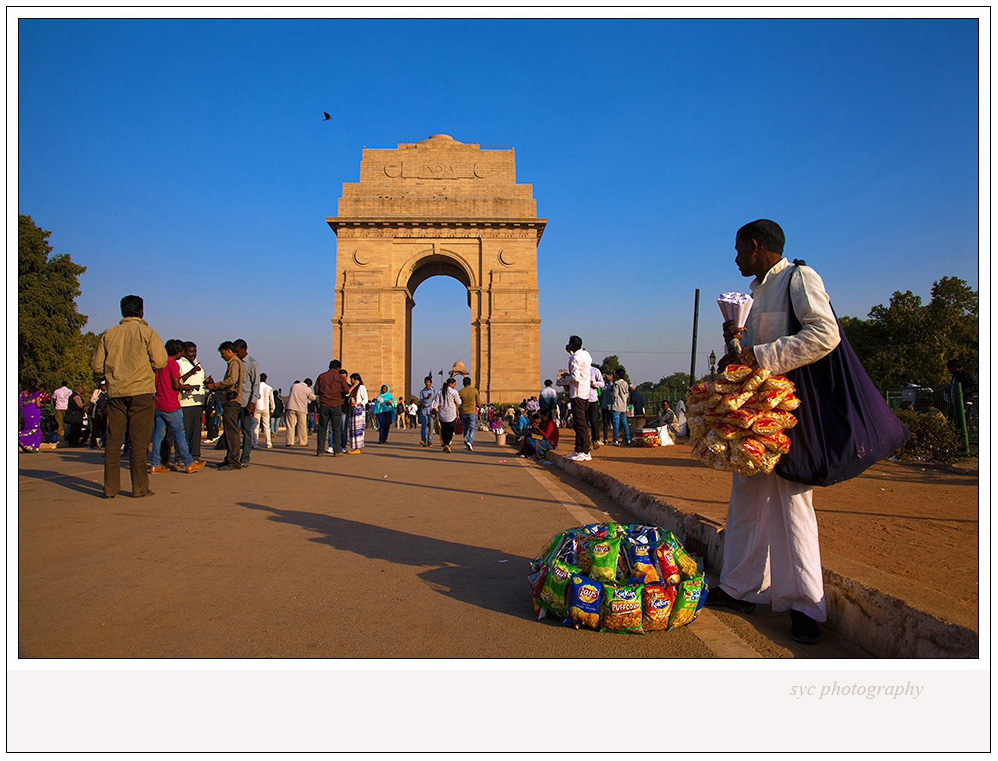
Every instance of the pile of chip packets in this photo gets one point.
(737, 423)
(627, 578)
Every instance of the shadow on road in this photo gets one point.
(73, 483)
(479, 576)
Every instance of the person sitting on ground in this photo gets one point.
(542, 437)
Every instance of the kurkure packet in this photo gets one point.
(622, 609)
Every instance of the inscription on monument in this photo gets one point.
(435, 170)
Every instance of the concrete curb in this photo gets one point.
(885, 626)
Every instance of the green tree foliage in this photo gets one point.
(612, 364)
(908, 342)
(50, 345)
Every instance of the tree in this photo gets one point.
(612, 365)
(50, 346)
(677, 383)
(908, 342)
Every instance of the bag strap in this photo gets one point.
(795, 323)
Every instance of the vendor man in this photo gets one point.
(771, 534)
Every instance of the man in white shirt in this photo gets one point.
(60, 398)
(296, 420)
(771, 535)
(579, 386)
(264, 409)
(192, 401)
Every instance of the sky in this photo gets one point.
(187, 161)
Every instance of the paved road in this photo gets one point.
(401, 552)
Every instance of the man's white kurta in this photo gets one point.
(771, 534)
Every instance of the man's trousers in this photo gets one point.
(329, 416)
(135, 416)
(771, 545)
(296, 428)
(231, 412)
(192, 429)
(580, 424)
(261, 427)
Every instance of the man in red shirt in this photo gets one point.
(168, 388)
(331, 388)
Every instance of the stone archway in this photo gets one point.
(438, 207)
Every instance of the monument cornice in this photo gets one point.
(427, 226)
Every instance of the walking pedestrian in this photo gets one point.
(384, 412)
(445, 405)
(426, 396)
(469, 412)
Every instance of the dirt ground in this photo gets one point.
(909, 530)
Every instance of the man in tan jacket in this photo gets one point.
(128, 356)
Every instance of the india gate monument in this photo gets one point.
(438, 207)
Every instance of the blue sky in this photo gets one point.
(187, 161)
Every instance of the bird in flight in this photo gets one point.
(326, 114)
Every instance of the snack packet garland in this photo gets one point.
(623, 578)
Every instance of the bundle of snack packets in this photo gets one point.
(737, 423)
(628, 578)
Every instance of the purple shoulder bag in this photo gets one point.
(843, 423)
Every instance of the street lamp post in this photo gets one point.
(713, 361)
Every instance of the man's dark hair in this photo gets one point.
(766, 233)
(955, 364)
(131, 306)
(174, 347)
(189, 345)
(547, 382)
(240, 344)
(308, 381)
(467, 380)
(342, 371)
(227, 346)
(263, 376)
(574, 343)
(334, 364)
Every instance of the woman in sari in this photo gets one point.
(29, 401)
(384, 411)
(356, 423)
